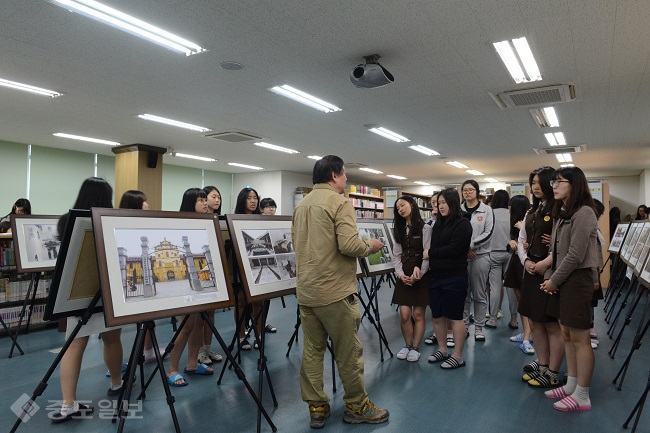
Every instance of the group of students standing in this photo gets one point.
(548, 254)
(195, 334)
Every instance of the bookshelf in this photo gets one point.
(13, 290)
(367, 201)
(423, 202)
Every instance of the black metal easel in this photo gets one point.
(638, 408)
(636, 344)
(29, 296)
(38, 391)
(628, 318)
(371, 310)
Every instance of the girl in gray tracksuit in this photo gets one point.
(482, 221)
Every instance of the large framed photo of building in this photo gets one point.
(156, 264)
(36, 242)
(380, 262)
(630, 242)
(265, 255)
(618, 238)
(75, 280)
(640, 251)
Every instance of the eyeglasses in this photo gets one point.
(555, 183)
(468, 190)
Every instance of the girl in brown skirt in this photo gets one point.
(412, 237)
(571, 281)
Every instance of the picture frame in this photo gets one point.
(155, 264)
(380, 262)
(388, 224)
(265, 255)
(644, 275)
(360, 271)
(618, 238)
(75, 280)
(630, 242)
(640, 252)
(36, 242)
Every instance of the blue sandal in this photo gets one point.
(171, 380)
(202, 370)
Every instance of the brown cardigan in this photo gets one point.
(574, 241)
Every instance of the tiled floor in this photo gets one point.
(487, 396)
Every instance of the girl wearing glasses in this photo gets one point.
(571, 280)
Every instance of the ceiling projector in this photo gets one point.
(372, 74)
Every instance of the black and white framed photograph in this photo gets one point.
(380, 262)
(618, 238)
(388, 225)
(630, 241)
(265, 254)
(156, 264)
(644, 275)
(35, 241)
(641, 249)
(75, 280)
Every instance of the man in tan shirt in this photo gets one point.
(327, 244)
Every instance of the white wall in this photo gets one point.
(267, 184)
(644, 187)
(291, 181)
(624, 194)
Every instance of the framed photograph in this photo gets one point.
(640, 252)
(618, 238)
(265, 254)
(644, 275)
(156, 264)
(380, 262)
(632, 236)
(388, 225)
(360, 272)
(75, 281)
(36, 242)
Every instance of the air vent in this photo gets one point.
(536, 96)
(560, 149)
(233, 136)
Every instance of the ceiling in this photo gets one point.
(440, 53)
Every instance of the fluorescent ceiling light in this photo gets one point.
(90, 139)
(172, 122)
(129, 24)
(28, 88)
(518, 62)
(304, 98)
(491, 180)
(396, 177)
(252, 167)
(567, 165)
(371, 170)
(387, 133)
(475, 172)
(457, 164)
(419, 182)
(274, 147)
(564, 157)
(555, 139)
(315, 157)
(545, 117)
(425, 150)
(200, 158)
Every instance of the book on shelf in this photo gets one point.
(11, 315)
(363, 189)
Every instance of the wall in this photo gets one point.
(624, 194)
(644, 187)
(267, 184)
(291, 181)
(56, 175)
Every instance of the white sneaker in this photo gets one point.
(204, 358)
(402, 354)
(594, 343)
(413, 355)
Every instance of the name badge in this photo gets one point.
(547, 218)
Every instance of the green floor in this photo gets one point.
(485, 397)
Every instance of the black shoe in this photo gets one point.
(245, 345)
(431, 340)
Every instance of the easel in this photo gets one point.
(38, 391)
(638, 408)
(618, 273)
(371, 310)
(137, 359)
(137, 351)
(636, 344)
(30, 298)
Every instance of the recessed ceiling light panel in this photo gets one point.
(275, 147)
(518, 61)
(387, 133)
(419, 182)
(457, 164)
(371, 170)
(475, 172)
(394, 176)
(82, 138)
(424, 150)
(252, 167)
(304, 98)
(200, 158)
(173, 122)
(28, 88)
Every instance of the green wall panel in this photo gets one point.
(13, 175)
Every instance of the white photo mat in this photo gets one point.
(36, 242)
(630, 241)
(617, 240)
(640, 252)
(266, 289)
(123, 309)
